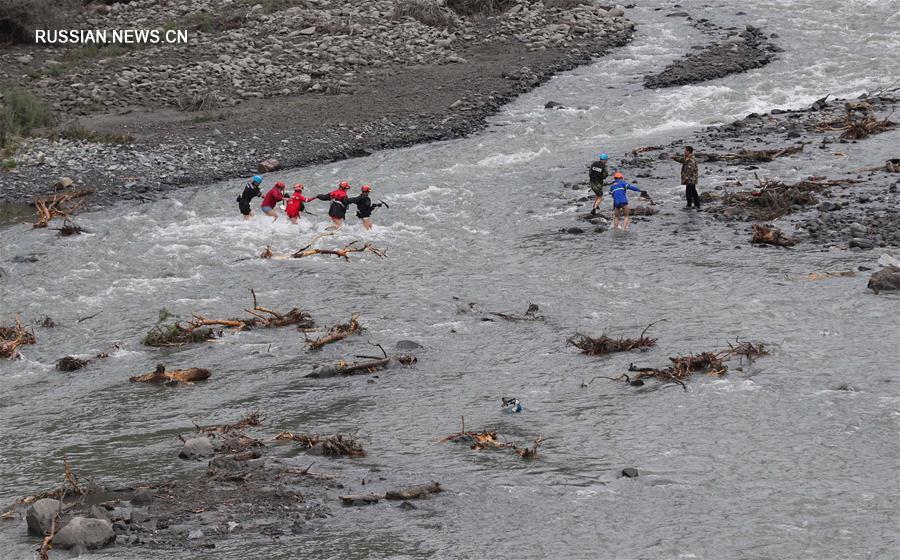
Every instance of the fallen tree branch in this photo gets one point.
(771, 235)
(337, 333)
(749, 156)
(252, 419)
(199, 328)
(333, 446)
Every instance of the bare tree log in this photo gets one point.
(160, 375)
(414, 492)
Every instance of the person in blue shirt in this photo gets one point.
(618, 191)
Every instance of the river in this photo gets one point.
(795, 456)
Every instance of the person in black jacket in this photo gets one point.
(364, 206)
(251, 190)
(597, 174)
(338, 208)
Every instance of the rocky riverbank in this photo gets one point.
(778, 168)
(303, 82)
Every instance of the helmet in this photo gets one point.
(344, 185)
(256, 179)
(618, 175)
(280, 185)
(604, 157)
(365, 188)
(298, 187)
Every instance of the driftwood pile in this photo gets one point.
(490, 440)
(60, 205)
(683, 367)
(333, 446)
(771, 235)
(251, 420)
(606, 345)
(11, 338)
(859, 122)
(199, 328)
(774, 199)
(749, 156)
(160, 375)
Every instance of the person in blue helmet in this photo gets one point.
(597, 174)
(250, 191)
(618, 190)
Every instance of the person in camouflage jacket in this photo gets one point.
(689, 175)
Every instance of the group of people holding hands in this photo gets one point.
(295, 204)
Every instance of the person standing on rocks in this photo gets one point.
(251, 190)
(597, 174)
(338, 209)
(295, 203)
(364, 206)
(689, 176)
(273, 197)
(620, 198)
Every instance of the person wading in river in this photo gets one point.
(251, 190)
(364, 206)
(295, 203)
(620, 198)
(273, 197)
(597, 174)
(689, 176)
(338, 197)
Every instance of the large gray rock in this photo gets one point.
(196, 449)
(85, 532)
(886, 279)
(39, 516)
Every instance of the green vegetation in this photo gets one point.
(21, 112)
(8, 164)
(76, 58)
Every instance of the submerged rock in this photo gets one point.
(85, 532)
(407, 345)
(630, 472)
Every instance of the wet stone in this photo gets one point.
(630, 472)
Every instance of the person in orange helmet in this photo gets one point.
(618, 190)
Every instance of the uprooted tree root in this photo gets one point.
(337, 333)
(60, 205)
(333, 446)
(11, 338)
(683, 367)
(771, 235)
(606, 345)
(160, 375)
(750, 156)
(859, 122)
(200, 329)
(489, 440)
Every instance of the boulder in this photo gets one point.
(85, 532)
(630, 472)
(63, 183)
(143, 497)
(269, 165)
(39, 515)
(554, 105)
(862, 243)
(886, 279)
(196, 449)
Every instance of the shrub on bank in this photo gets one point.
(20, 113)
(428, 12)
